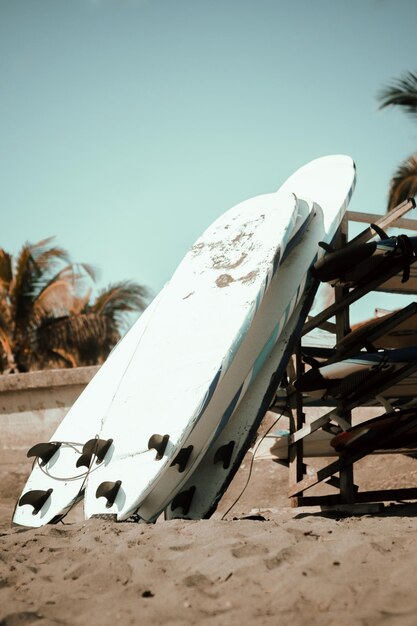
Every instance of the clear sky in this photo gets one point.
(127, 126)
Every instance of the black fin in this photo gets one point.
(36, 498)
(94, 447)
(380, 232)
(327, 247)
(183, 500)
(44, 451)
(108, 490)
(158, 443)
(224, 454)
(182, 458)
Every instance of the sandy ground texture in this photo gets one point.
(296, 567)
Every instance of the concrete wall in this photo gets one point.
(32, 405)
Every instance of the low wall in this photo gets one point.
(32, 405)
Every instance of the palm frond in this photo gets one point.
(77, 281)
(404, 183)
(22, 279)
(123, 296)
(56, 300)
(90, 270)
(6, 316)
(6, 270)
(47, 317)
(6, 350)
(47, 262)
(45, 255)
(401, 92)
(120, 299)
(87, 337)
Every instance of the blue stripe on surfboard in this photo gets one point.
(239, 453)
(229, 411)
(210, 393)
(261, 358)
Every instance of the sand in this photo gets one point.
(298, 566)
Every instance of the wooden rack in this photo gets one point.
(302, 477)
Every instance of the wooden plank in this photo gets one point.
(372, 218)
(330, 327)
(389, 219)
(295, 449)
(353, 296)
(381, 495)
(395, 284)
(363, 398)
(368, 335)
(345, 460)
(309, 428)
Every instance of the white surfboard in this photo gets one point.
(332, 179)
(330, 182)
(194, 357)
(199, 496)
(56, 482)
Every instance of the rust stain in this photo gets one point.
(249, 278)
(224, 280)
(198, 248)
(241, 236)
(221, 262)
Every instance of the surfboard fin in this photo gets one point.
(182, 458)
(108, 490)
(158, 443)
(44, 451)
(94, 447)
(224, 454)
(35, 498)
(183, 500)
(379, 231)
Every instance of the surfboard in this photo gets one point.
(198, 498)
(194, 357)
(61, 465)
(200, 495)
(382, 432)
(342, 378)
(356, 264)
(402, 335)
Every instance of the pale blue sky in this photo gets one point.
(128, 126)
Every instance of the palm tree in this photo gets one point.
(86, 336)
(403, 184)
(47, 316)
(402, 92)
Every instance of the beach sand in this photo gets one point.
(299, 566)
